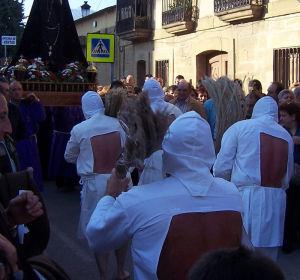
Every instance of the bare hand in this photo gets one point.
(10, 252)
(24, 208)
(116, 186)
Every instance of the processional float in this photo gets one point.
(50, 61)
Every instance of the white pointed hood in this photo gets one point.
(156, 96)
(189, 153)
(154, 90)
(91, 104)
(266, 107)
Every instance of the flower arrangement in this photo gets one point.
(38, 72)
(72, 73)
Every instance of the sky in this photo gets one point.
(96, 5)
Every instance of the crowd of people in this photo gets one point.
(175, 173)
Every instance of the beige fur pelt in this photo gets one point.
(228, 100)
(113, 101)
(144, 132)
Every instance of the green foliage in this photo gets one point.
(11, 22)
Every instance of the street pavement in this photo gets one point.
(73, 254)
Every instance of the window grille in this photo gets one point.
(286, 66)
(162, 70)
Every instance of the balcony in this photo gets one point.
(235, 11)
(133, 21)
(179, 16)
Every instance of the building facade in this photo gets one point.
(103, 21)
(242, 39)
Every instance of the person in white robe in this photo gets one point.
(144, 213)
(157, 102)
(153, 164)
(79, 150)
(253, 153)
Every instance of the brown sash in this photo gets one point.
(106, 150)
(193, 234)
(273, 160)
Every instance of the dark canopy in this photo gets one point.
(50, 33)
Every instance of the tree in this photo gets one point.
(11, 22)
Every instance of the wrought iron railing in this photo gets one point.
(178, 11)
(226, 5)
(141, 22)
(129, 19)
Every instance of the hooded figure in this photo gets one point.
(153, 164)
(95, 145)
(144, 213)
(257, 156)
(157, 102)
(91, 104)
(82, 149)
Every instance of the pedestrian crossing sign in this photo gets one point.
(100, 47)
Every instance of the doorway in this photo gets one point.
(141, 73)
(213, 64)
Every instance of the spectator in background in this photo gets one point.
(185, 102)
(148, 76)
(255, 87)
(170, 93)
(290, 119)
(178, 78)
(274, 89)
(32, 113)
(286, 95)
(203, 97)
(251, 100)
(64, 173)
(14, 115)
(297, 94)
(117, 84)
(202, 92)
(130, 81)
(194, 94)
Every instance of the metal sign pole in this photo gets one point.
(5, 52)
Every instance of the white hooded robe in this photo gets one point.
(79, 151)
(239, 162)
(143, 214)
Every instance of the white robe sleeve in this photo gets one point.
(225, 159)
(108, 228)
(72, 149)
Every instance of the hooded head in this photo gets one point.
(91, 104)
(265, 107)
(154, 90)
(188, 153)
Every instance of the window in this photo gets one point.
(162, 70)
(286, 66)
(95, 23)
